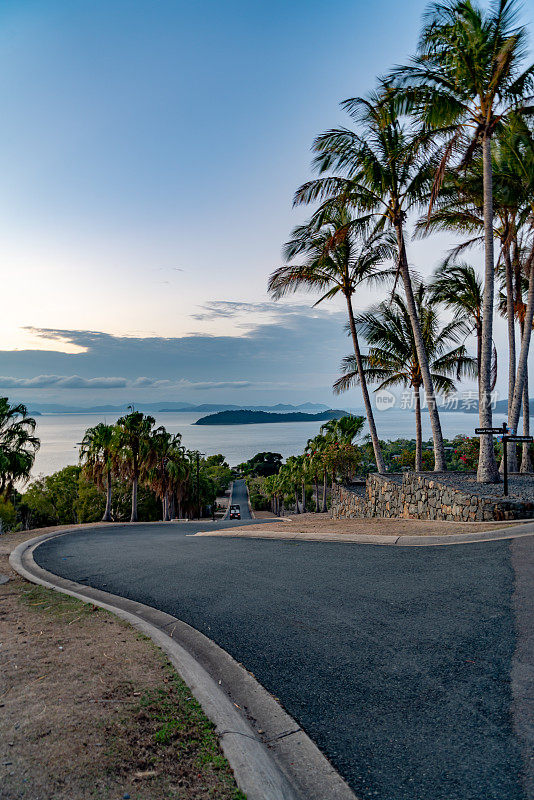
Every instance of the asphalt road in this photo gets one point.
(396, 661)
(240, 498)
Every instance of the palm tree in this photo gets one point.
(383, 170)
(459, 288)
(293, 469)
(161, 450)
(466, 78)
(315, 449)
(392, 359)
(98, 454)
(18, 445)
(345, 429)
(133, 433)
(337, 260)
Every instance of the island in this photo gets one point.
(248, 417)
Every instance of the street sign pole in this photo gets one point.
(505, 462)
(507, 436)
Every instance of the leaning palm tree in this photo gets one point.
(383, 169)
(133, 437)
(336, 259)
(98, 453)
(18, 445)
(467, 77)
(392, 359)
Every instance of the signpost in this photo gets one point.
(507, 435)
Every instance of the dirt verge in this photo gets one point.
(323, 523)
(90, 708)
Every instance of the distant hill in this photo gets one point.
(164, 406)
(250, 417)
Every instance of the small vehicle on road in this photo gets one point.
(235, 512)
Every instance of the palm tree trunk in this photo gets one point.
(380, 463)
(316, 493)
(303, 497)
(325, 491)
(107, 512)
(418, 431)
(526, 461)
(525, 344)
(440, 464)
(297, 501)
(133, 517)
(487, 465)
(510, 318)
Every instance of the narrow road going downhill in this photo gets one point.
(398, 662)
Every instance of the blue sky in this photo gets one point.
(149, 152)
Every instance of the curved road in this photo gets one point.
(400, 663)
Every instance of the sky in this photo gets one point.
(149, 151)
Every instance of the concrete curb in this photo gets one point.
(432, 540)
(272, 758)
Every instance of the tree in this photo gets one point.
(18, 445)
(134, 431)
(98, 451)
(336, 260)
(465, 80)
(392, 359)
(383, 170)
(459, 288)
(161, 449)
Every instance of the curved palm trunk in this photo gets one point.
(525, 345)
(526, 460)
(380, 463)
(487, 465)
(437, 435)
(418, 432)
(107, 512)
(325, 491)
(510, 317)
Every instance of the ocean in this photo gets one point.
(60, 434)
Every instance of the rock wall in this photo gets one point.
(416, 496)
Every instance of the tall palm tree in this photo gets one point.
(133, 434)
(383, 170)
(392, 359)
(98, 452)
(336, 260)
(467, 77)
(18, 445)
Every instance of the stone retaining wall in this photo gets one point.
(416, 496)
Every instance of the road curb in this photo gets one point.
(272, 758)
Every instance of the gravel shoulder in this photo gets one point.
(90, 708)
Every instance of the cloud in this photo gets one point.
(284, 347)
(62, 381)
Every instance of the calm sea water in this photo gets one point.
(61, 433)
